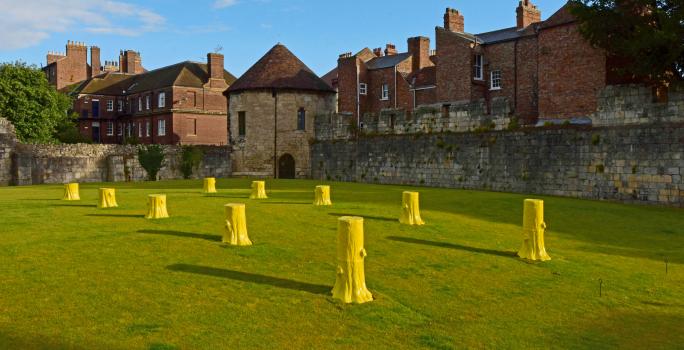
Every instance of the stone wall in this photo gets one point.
(634, 104)
(629, 164)
(27, 164)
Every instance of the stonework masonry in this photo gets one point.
(628, 164)
(23, 164)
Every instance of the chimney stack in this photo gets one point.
(95, 64)
(130, 62)
(377, 52)
(454, 21)
(526, 14)
(419, 48)
(390, 50)
(215, 65)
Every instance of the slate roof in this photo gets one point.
(387, 61)
(330, 77)
(279, 69)
(499, 35)
(187, 74)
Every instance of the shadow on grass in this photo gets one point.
(287, 203)
(378, 218)
(453, 246)
(118, 215)
(205, 237)
(252, 278)
(76, 205)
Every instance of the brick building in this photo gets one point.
(272, 108)
(544, 69)
(178, 104)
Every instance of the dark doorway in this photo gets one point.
(96, 109)
(286, 167)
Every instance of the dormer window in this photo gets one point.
(477, 68)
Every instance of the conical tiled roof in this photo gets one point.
(280, 69)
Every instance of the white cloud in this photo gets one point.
(28, 22)
(219, 4)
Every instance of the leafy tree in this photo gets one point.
(647, 34)
(191, 158)
(151, 158)
(35, 108)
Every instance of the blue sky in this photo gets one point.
(170, 31)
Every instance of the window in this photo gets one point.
(161, 127)
(110, 105)
(96, 108)
(477, 68)
(139, 104)
(147, 102)
(110, 129)
(162, 100)
(301, 119)
(363, 88)
(495, 83)
(140, 130)
(147, 128)
(242, 120)
(129, 131)
(385, 92)
(119, 130)
(119, 105)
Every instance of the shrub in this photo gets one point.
(191, 157)
(151, 159)
(69, 133)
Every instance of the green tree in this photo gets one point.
(647, 34)
(191, 157)
(151, 158)
(35, 108)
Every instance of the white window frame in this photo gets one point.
(139, 104)
(161, 127)
(147, 102)
(384, 95)
(495, 80)
(162, 100)
(147, 128)
(363, 89)
(140, 130)
(110, 105)
(110, 128)
(478, 67)
(119, 129)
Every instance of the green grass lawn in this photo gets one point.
(74, 276)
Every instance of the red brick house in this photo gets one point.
(545, 69)
(178, 104)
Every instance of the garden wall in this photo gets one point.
(627, 163)
(25, 164)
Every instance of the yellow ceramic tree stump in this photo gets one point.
(107, 198)
(209, 185)
(156, 207)
(322, 194)
(71, 192)
(410, 209)
(236, 225)
(258, 190)
(350, 284)
(533, 231)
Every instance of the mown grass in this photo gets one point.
(77, 277)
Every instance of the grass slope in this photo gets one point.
(77, 277)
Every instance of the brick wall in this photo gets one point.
(454, 67)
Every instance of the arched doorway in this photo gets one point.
(286, 167)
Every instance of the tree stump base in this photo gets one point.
(322, 195)
(236, 225)
(258, 190)
(209, 185)
(350, 284)
(107, 198)
(156, 207)
(71, 192)
(410, 209)
(533, 232)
